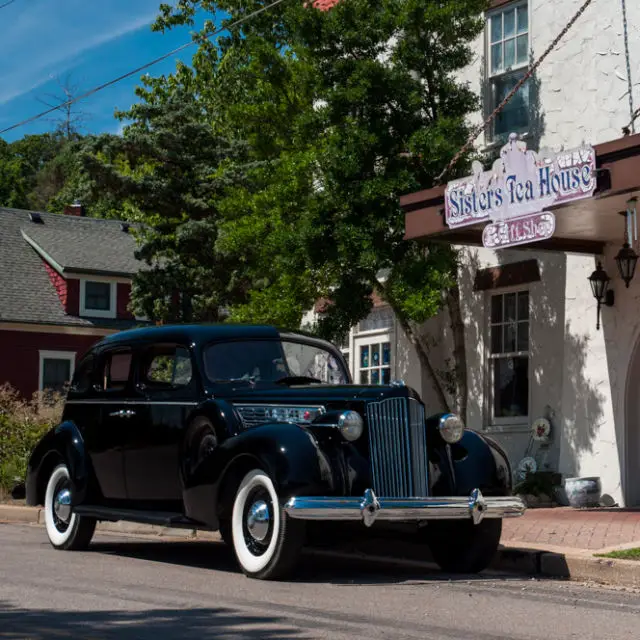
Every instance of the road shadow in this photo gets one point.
(213, 622)
(328, 564)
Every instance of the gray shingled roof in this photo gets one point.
(75, 244)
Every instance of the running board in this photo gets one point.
(159, 518)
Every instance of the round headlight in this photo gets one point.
(351, 425)
(451, 428)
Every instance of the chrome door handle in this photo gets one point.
(123, 413)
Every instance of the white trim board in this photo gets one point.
(55, 355)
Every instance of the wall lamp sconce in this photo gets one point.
(599, 281)
(627, 258)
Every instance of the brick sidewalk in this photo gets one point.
(590, 529)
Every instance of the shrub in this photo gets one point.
(22, 424)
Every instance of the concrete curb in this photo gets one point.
(579, 566)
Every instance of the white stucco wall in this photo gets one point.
(579, 374)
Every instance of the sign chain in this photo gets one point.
(476, 132)
(625, 26)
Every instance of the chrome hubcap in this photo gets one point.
(62, 505)
(258, 520)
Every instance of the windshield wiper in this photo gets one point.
(297, 379)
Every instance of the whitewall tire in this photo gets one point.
(65, 529)
(265, 540)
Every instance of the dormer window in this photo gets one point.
(98, 298)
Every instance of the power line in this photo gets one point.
(138, 69)
(6, 4)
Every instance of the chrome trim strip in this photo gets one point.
(370, 508)
(135, 402)
(254, 414)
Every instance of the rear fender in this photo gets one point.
(63, 443)
(287, 452)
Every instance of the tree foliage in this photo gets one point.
(349, 109)
(170, 170)
(268, 171)
(44, 172)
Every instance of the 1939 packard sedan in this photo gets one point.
(257, 433)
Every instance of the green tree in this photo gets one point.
(374, 111)
(169, 172)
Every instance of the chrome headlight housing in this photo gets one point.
(451, 428)
(351, 425)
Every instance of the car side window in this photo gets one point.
(83, 376)
(166, 366)
(116, 370)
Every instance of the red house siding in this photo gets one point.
(59, 284)
(123, 295)
(20, 362)
(73, 297)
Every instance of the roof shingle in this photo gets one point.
(76, 245)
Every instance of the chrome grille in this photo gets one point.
(253, 415)
(398, 448)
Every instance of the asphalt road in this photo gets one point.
(128, 588)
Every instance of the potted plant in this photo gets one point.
(538, 488)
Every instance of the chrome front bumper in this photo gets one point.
(370, 508)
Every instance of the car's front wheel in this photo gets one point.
(459, 546)
(266, 541)
(65, 529)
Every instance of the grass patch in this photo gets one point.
(623, 554)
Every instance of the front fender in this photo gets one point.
(61, 443)
(476, 462)
(287, 452)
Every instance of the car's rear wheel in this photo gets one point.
(65, 529)
(266, 541)
(459, 546)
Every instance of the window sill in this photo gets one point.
(88, 313)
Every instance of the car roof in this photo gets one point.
(203, 333)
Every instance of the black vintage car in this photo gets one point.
(255, 433)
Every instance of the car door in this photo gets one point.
(166, 394)
(104, 442)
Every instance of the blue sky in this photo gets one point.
(90, 41)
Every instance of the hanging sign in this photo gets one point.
(515, 192)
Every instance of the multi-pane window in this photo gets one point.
(98, 298)
(508, 52)
(374, 365)
(56, 370)
(510, 355)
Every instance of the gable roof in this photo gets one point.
(71, 245)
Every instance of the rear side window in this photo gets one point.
(83, 377)
(117, 367)
(166, 367)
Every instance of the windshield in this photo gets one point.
(271, 361)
